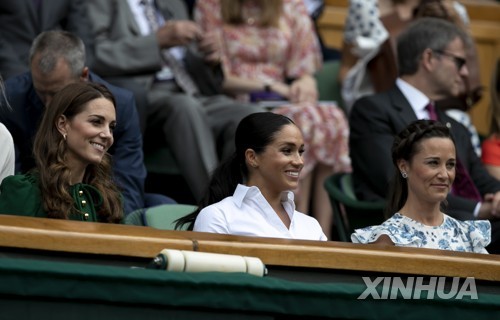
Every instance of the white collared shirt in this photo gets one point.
(178, 52)
(417, 99)
(247, 213)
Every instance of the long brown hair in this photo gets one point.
(232, 12)
(50, 150)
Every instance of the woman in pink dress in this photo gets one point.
(270, 49)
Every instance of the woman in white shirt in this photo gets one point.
(250, 193)
(7, 160)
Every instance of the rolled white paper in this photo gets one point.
(192, 261)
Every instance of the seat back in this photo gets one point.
(164, 216)
(349, 212)
(160, 217)
(329, 88)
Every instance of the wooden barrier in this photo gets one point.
(485, 30)
(98, 239)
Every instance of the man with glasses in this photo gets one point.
(431, 59)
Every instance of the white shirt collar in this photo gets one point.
(242, 192)
(417, 99)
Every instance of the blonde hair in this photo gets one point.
(271, 10)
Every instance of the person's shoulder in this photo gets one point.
(121, 95)
(19, 186)
(21, 180)
(468, 226)
(19, 83)
(378, 103)
(393, 228)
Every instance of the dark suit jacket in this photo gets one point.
(128, 164)
(121, 50)
(374, 121)
(21, 22)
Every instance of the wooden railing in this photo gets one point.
(72, 237)
(484, 27)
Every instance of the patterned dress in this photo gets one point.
(452, 234)
(277, 53)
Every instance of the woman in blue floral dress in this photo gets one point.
(425, 159)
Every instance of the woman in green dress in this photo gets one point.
(72, 179)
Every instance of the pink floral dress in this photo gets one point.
(277, 53)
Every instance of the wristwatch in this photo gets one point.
(267, 85)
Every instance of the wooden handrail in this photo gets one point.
(145, 242)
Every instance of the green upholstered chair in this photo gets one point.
(160, 217)
(350, 213)
(327, 81)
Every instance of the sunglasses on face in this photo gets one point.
(459, 61)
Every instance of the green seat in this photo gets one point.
(350, 213)
(328, 84)
(160, 217)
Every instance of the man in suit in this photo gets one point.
(23, 20)
(146, 41)
(431, 67)
(57, 58)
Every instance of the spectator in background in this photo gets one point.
(57, 58)
(7, 158)
(368, 62)
(250, 193)
(154, 45)
(426, 75)
(424, 157)
(491, 146)
(269, 50)
(73, 178)
(23, 20)
(315, 9)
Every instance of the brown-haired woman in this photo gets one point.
(425, 161)
(72, 179)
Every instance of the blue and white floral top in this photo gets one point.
(452, 234)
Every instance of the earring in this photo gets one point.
(64, 136)
(404, 174)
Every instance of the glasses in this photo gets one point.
(459, 61)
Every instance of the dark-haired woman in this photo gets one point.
(425, 159)
(250, 194)
(72, 179)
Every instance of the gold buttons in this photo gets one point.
(80, 193)
(86, 216)
(84, 203)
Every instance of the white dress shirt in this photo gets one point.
(247, 213)
(7, 160)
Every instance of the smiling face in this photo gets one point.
(431, 171)
(89, 134)
(278, 167)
